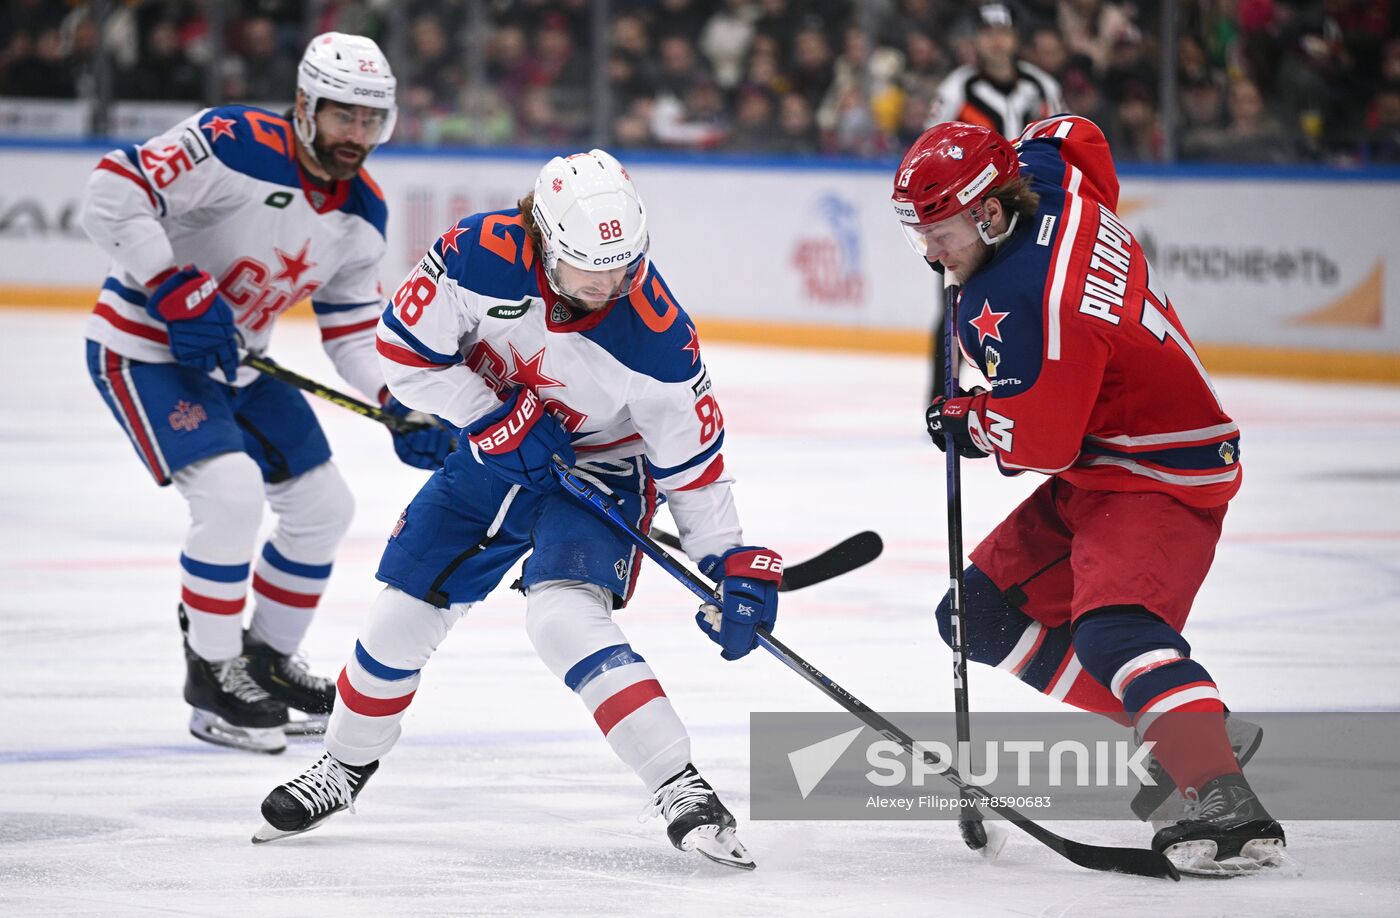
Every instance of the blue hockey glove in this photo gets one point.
(518, 441)
(947, 415)
(427, 445)
(200, 323)
(748, 583)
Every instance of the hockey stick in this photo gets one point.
(841, 558)
(1136, 861)
(269, 367)
(974, 833)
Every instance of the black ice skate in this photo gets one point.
(286, 678)
(230, 709)
(1227, 832)
(308, 800)
(697, 821)
(1163, 804)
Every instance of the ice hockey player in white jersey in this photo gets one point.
(214, 229)
(545, 330)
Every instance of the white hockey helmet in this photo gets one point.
(351, 70)
(591, 218)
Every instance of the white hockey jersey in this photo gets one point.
(477, 318)
(222, 190)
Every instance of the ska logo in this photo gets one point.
(258, 292)
(187, 417)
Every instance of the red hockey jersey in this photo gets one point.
(1093, 376)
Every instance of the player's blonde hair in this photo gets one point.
(1017, 197)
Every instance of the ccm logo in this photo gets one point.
(613, 259)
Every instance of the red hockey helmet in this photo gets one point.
(948, 171)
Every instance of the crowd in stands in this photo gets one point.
(1259, 81)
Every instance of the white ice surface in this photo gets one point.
(502, 799)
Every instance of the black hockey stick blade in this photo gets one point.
(841, 558)
(1138, 862)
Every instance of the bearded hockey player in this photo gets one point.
(545, 330)
(1084, 590)
(215, 228)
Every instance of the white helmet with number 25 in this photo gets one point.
(591, 218)
(351, 70)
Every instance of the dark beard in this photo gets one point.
(334, 166)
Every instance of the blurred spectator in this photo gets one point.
(508, 61)
(1092, 27)
(1047, 51)
(812, 67)
(753, 122)
(697, 121)
(681, 17)
(1251, 135)
(725, 40)
(925, 67)
(680, 67)
(797, 130)
(40, 70)
(163, 70)
(1202, 107)
(271, 71)
(1137, 133)
(1381, 143)
(1084, 97)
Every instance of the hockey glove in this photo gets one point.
(748, 583)
(950, 416)
(518, 441)
(427, 445)
(198, 320)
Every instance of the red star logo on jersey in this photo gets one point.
(294, 266)
(449, 239)
(692, 347)
(988, 323)
(219, 127)
(530, 372)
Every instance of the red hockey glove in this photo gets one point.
(950, 417)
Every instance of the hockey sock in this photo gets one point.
(574, 634)
(379, 681)
(285, 593)
(225, 495)
(1000, 635)
(314, 509)
(1171, 698)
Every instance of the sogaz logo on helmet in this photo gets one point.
(906, 212)
(376, 93)
(616, 258)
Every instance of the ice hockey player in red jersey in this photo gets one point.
(545, 330)
(215, 228)
(1083, 591)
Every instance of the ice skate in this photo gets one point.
(697, 821)
(230, 709)
(308, 800)
(1226, 832)
(1162, 804)
(286, 678)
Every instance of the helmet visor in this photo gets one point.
(600, 285)
(934, 241)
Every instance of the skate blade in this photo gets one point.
(212, 728)
(267, 833)
(719, 845)
(312, 725)
(1197, 859)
